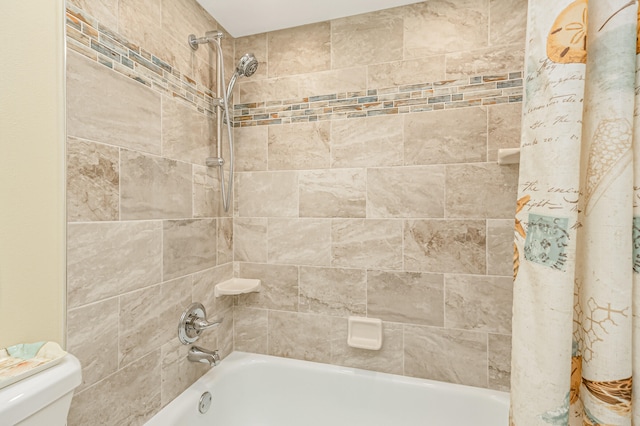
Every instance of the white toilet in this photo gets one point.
(42, 399)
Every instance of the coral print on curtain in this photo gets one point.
(576, 337)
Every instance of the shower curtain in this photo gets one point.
(576, 337)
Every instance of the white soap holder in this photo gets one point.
(365, 333)
(236, 286)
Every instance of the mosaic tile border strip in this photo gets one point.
(446, 94)
(88, 37)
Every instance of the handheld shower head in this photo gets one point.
(247, 65)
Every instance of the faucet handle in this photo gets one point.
(193, 322)
(202, 324)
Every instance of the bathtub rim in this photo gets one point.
(188, 399)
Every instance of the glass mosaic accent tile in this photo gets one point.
(429, 96)
(88, 37)
(85, 35)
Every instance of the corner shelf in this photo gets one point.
(236, 286)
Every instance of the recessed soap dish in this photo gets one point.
(236, 286)
(365, 333)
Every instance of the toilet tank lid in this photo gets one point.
(28, 396)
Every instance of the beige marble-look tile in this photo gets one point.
(406, 297)
(207, 199)
(140, 21)
(251, 146)
(188, 246)
(333, 193)
(178, 373)
(105, 106)
(300, 50)
(499, 362)
(352, 79)
(500, 247)
(367, 38)
(300, 336)
(225, 334)
(107, 259)
(476, 302)
(274, 88)
(494, 60)
(454, 356)
(148, 317)
(92, 336)
(93, 181)
(508, 23)
(204, 73)
(225, 240)
(279, 286)
(386, 360)
(366, 243)
(236, 185)
(250, 239)
(400, 73)
(268, 194)
(481, 190)
(299, 146)
(250, 330)
(406, 192)
(333, 291)
(173, 52)
(154, 187)
(453, 246)
(187, 135)
(183, 17)
(299, 241)
(105, 11)
(204, 283)
(447, 136)
(504, 128)
(367, 142)
(441, 26)
(136, 400)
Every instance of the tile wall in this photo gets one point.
(146, 236)
(367, 185)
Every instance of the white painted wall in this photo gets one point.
(32, 172)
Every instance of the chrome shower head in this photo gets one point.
(247, 65)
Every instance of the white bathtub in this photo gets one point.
(259, 390)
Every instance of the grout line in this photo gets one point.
(486, 247)
(119, 185)
(404, 371)
(488, 378)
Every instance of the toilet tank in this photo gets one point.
(42, 399)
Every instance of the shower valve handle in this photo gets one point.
(193, 322)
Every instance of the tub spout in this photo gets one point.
(205, 356)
